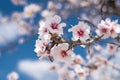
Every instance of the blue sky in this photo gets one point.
(9, 61)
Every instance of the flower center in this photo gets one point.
(111, 47)
(45, 30)
(54, 26)
(63, 53)
(80, 32)
(112, 31)
(104, 30)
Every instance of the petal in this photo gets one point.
(108, 20)
(98, 32)
(64, 46)
(75, 38)
(57, 19)
(62, 25)
(117, 28)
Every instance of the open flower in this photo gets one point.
(61, 53)
(108, 28)
(112, 48)
(115, 29)
(54, 26)
(44, 32)
(104, 28)
(80, 31)
(40, 47)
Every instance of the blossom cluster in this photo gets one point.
(51, 29)
(108, 28)
(90, 33)
(64, 8)
(53, 46)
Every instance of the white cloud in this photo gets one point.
(10, 30)
(37, 70)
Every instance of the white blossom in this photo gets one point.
(115, 29)
(77, 59)
(30, 10)
(65, 74)
(24, 28)
(40, 47)
(80, 31)
(44, 32)
(98, 61)
(112, 48)
(84, 3)
(61, 53)
(108, 28)
(47, 13)
(54, 25)
(13, 76)
(81, 72)
(19, 2)
(51, 5)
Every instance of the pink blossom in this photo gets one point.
(115, 29)
(30, 10)
(112, 48)
(40, 47)
(61, 53)
(44, 32)
(80, 31)
(54, 26)
(108, 28)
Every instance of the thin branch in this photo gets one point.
(101, 10)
